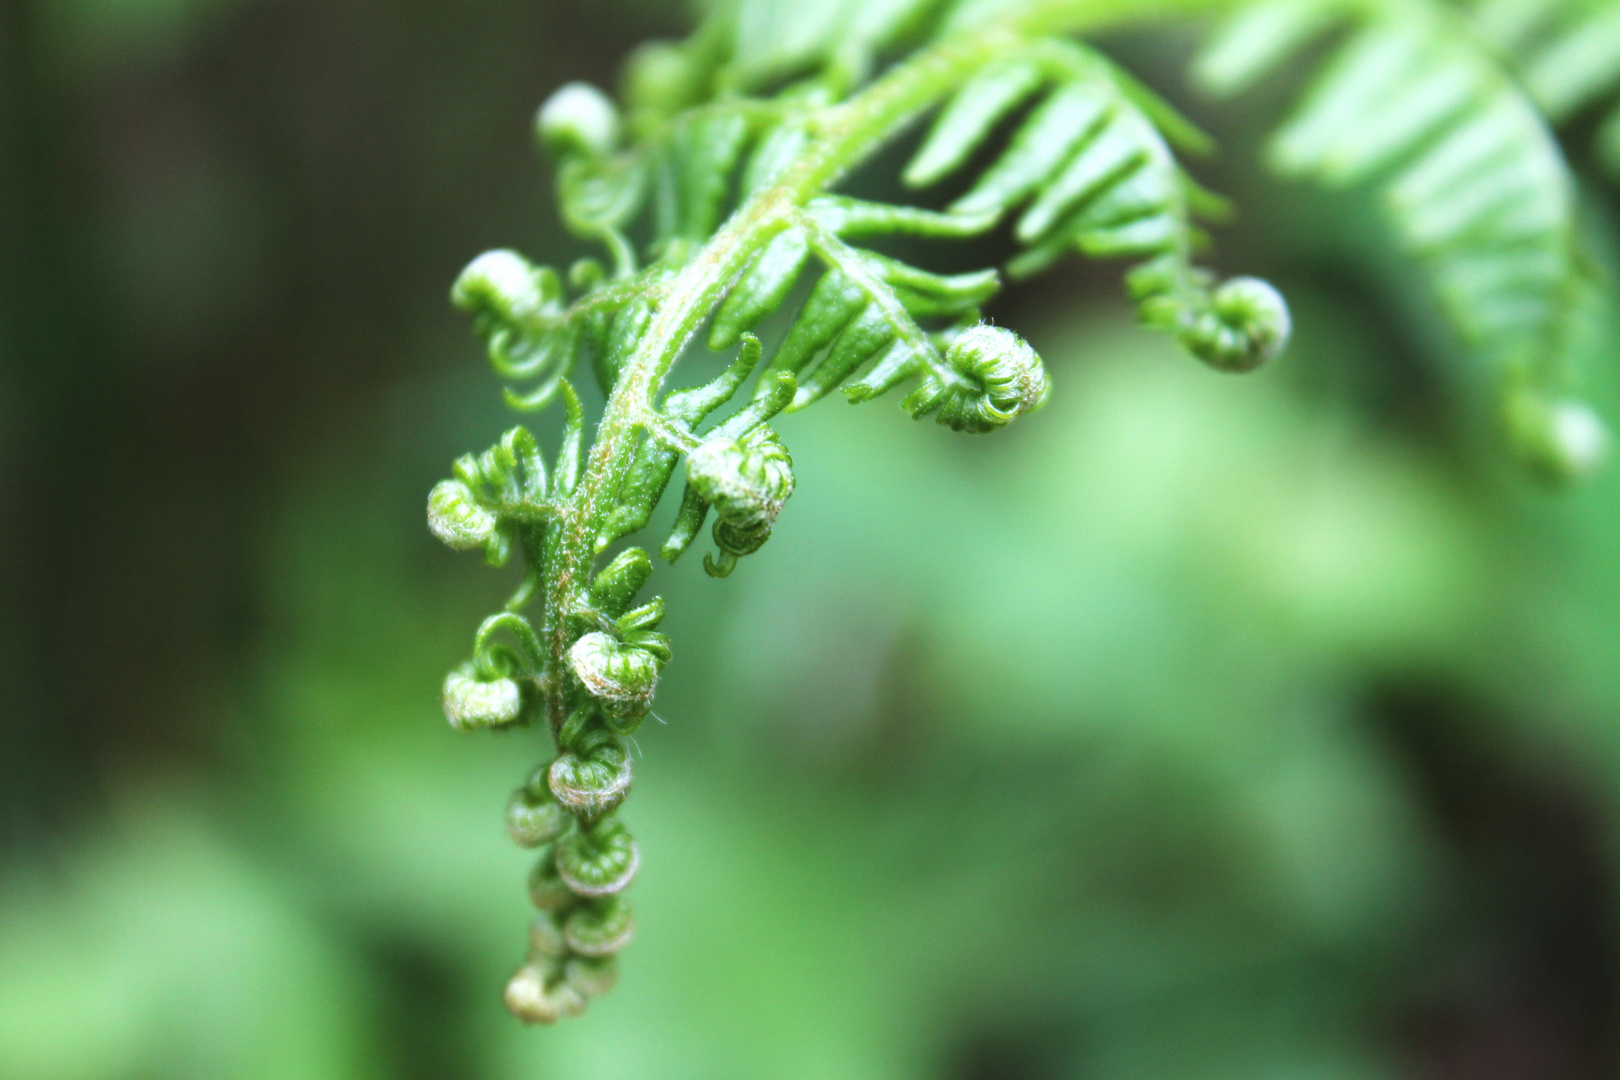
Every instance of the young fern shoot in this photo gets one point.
(713, 196)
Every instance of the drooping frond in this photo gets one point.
(713, 198)
(1472, 178)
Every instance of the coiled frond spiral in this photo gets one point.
(712, 195)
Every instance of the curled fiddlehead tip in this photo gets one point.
(473, 704)
(505, 285)
(661, 76)
(1004, 376)
(1561, 441)
(457, 519)
(547, 890)
(592, 976)
(578, 119)
(598, 861)
(599, 928)
(534, 816)
(536, 999)
(593, 779)
(747, 481)
(546, 941)
(492, 494)
(621, 675)
(1246, 325)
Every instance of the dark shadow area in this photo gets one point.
(1522, 979)
(216, 258)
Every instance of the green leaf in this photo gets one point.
(970, 117)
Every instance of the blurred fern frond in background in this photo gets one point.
(1421, 99)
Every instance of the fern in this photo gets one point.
(1419, 100)
(713, 196)
(1567, 55)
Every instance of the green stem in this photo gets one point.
(840, 255)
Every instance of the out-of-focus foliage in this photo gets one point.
(1183, 797)
(1420, 100)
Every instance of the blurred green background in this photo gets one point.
(1197, 727)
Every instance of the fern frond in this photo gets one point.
(1473, 180)
(713, 198)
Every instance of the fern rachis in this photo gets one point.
(1091, 167)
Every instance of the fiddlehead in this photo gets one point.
(713, 197)
(747, 481)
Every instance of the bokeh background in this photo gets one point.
(1196, 727)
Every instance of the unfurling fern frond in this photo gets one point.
(1472, 177)
(714, 198)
